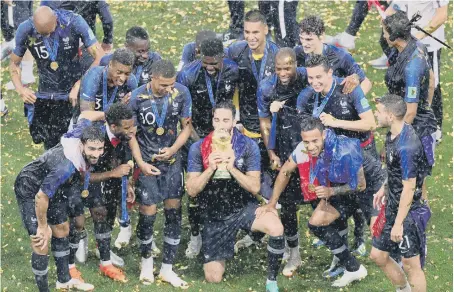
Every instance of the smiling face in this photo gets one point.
(285, 69)
(140, 48)
(319, 78)
(313, 141)
(161, 85)
(118, 73)
(255, 34)
(212, 64)
(125, 131)
(92, 150)
(311, 42)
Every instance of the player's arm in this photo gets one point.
(146, 168)
(282, 180)
(118, 172)
(431, 87)
(250, 181)
(41, 206)
(413, 74)
(196, 181)
(197, 177)
(406, 198)
(88, 88)
(439, 18)
(92, 115)
(356, 76)
(107, 25)
(323, 192)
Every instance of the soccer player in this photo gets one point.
(102, 86)
(312, 32)
(210, 80)
(138, 41)
(230, 204)
(255, 59)
(334, 180)
(406, 216)
(349, 115)
(277, 95)
(53, 39)
(191, 51)
(41, 192)
(159, 107)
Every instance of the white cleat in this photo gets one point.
(345, 40)
(146, 271)
(380, 63)
(244, 242)
(194, 246)
(82, 251)
(294, 262)
(438, 135)
(173, 279)
(116, 260)
(350, 277)
(75, 284)
(6, 49)
(123, 237)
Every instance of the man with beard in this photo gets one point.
(210, 80)
(159, 107)
(41, 193)
(138, 41)
(277, 96)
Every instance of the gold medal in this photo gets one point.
(160, 131)
(84, 193)
(131, 163)
(311, 188)
(54, 65)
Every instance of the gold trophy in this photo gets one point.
(221, 143)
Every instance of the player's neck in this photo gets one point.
(110, 82)
(328, 86)
(396, 128)
(260, 49)
(319, 49)
(401, 45)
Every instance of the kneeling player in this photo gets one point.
(230, 204)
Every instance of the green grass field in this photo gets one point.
(171, 24)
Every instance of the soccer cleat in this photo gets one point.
(155, 251)
(243, 243)
(173, 279)
(334, 270)
(6, 49)
(4, 112)
(82, 251)
(194, 246)
(380, 63)
(345, 40)
(76, 274)
(360, 250)
(438, 135)
(350, 277)
(292, 265)
(272, 287)
(113, 272)
(123, 237)
(317, 243)
(146, 271)
(286, 255)
(116, 260)
(74, 284)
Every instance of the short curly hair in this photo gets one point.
(312, 25)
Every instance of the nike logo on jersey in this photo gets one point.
(200, 91)
(286, 127)
(145, 108)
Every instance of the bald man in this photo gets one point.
(53, 39)
(276, 98)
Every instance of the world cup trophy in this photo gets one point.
(221, 143)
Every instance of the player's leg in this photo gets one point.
(7, 31)
(214, 271)
(285, 24)
(236, 26)
(195, 242)
(391, 269)
(416, 276)
(437, 101)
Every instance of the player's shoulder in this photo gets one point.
(196, 147)
(189, 47)
(331, 50)
(138, 93)
(154, 56)
(273, 47)
(409, 138)
(95, 72)
(299, 154)
(306, 93)
(298, 50)
(106, 59)
(237, 48)
(66, 17)
(268, 85)
(229, 64)
(27, 28)
(180, 91)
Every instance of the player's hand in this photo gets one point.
(324, 192)
(121, 170)
(275, 161)
(131, 194)
(126, 98)
(229, 159)
(379, 198)
(276, 106)
(214, 159)
(265, 209)
(397, 232)
(107, 47)
(328, 120)
(74, 96)
(165, 154)
(148, 169)
(349, 83)
(41, 239)
(27, 95)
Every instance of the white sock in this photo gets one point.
(166, 268)
(72, 266)
(106, 263)
(269, 281)
(294, 251)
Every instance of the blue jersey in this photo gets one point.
(341, 61)
(148, 111)
(189, 55)
(341, 106)
(222, 198)
(92, 88)
(223, 85)
(70, 28)
(408, 76)
(240, 53)
(405, 159)
(142, 71)
(288, 121)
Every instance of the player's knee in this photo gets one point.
(411, 265)
(99, 213)
(147, 209)
(380, 258)
(79, 222)
(172, 203)
(213, 276)
(276, 229)
(60, 230)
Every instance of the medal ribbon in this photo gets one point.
(319, 109)
(138, 72)
(53, 50)
(257, 76)
(105, 105)
(87, 179)
(160, 118)
(124, 194)
(210, 88)
(312, 172)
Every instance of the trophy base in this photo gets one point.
(222, 174)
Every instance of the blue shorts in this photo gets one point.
(218, 236)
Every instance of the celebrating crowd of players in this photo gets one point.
(300, 131)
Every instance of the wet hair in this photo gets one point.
(398, 26)
(212, 47)
(136, 32)
(163, 68)
(92, 133)
(312, 25)
(255, 16)
(318, 60)
(394, 104)
(312, 123)
(225, 105)
(203, 35)
(118, 112)
(286, 52)
(124, 56)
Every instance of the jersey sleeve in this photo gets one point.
(21, 37)
(414, 73)
(84, 31)
(182, 78)
(350, 65)
(90, 84)
(132, 83)
(107, 21)
(105, 60)
(302, 102)
(56, 177)
(263, 100)
(186, 111)
(185, 56)
(133, 103)
(252, 159)
(409, 160)
(359, 100)
(195, 163)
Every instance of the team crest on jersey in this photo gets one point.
(174, 108)
(145, 75)
(267, 73)
(174, 94)
(228, 87)
(32, 41)
(344, 106)
(240, 163)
